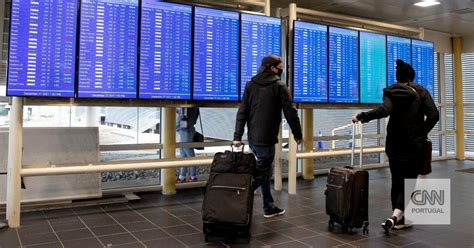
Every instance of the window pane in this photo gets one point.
(46, 116)
(337, 122)
(149, 125)
(4, 49)
(4, 114)
(120, 126)
(468, 91)
(449, 78)
(218, 123)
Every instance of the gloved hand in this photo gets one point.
(237, 143)
(355, 119)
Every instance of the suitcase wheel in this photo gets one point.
(331, 225)
(365, 229)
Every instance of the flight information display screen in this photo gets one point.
(108, 49)
(343, 65)
(216, 54)
(397, 48)
(260, 36)
(373, 67)
(165, 50)
(423, 63)
(42, 48)
(310, 60)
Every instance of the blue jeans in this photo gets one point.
(186, 135)
(265, 156)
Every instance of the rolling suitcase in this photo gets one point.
(347, 196)
(228, 201)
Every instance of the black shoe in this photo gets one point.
(401, 224)
(389, 223)
(274, 212)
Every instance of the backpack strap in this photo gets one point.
(410, 88)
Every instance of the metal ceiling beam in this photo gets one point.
(356, 20)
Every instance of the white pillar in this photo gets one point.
(292, 164)
(92, 116)
(292, 161)
(58, 116)
(15, 145)
(278, 181)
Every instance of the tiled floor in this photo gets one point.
(175, 221)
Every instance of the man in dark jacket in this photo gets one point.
(264, 99)
(407, 104)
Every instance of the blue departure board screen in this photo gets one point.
(310, 60)
(108, 49)
(423, 63)
(343, 65)
(216, 54)
(397, 48)
(165, 50)
(260, 36)
(373, 67)
(42, 48)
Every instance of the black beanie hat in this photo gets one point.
(405, 73)
(268, 61)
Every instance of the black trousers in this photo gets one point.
(401, 170)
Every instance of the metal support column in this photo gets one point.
(15, 147)
(267, 8)
(308, 168)
(168, 130)
(292, 170)
(278, 174)
(458, 98)
(442, 102)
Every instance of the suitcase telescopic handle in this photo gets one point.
(233, 155)
(354, 125)
(353, 144)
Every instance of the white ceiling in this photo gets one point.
(451, 16)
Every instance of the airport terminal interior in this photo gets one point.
(95, 95)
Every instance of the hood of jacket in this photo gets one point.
(265, 78)
(401, 95)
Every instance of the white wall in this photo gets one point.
(442, 41)
(468, 42)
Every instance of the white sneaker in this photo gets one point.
(389, 223)
(400, 225)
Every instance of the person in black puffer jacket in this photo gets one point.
(407, 104)
(264, 99)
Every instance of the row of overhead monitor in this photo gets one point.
(159, 50)
(338, 65)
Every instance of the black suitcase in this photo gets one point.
(347, 197)
(234, 162)
(228, 202)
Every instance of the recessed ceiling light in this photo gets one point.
(427, 3)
